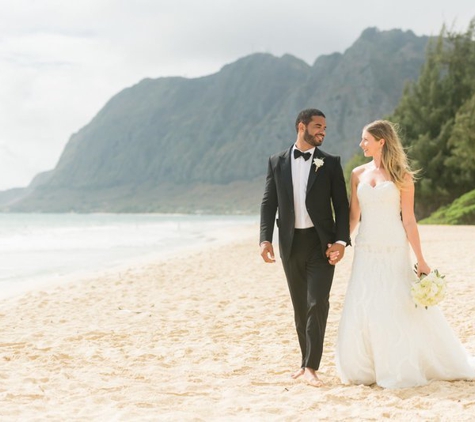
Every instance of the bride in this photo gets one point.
(383, 338)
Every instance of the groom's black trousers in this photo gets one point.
(309, 276)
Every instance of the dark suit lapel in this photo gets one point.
(287, 172)
(312, 176)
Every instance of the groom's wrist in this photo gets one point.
(341, 242)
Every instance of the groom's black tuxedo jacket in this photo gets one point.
(326, 187)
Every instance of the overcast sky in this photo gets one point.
(62, 60)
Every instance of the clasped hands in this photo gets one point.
(334, 252)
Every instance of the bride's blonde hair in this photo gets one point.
(393, 158)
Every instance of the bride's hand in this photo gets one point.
(422, 268)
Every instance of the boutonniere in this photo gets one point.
(318, 163)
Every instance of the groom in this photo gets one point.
(302, 184)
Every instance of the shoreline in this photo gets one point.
(216, 236)
(208, 337)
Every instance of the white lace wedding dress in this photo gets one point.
(383, 338)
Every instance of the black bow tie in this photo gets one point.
(305, 155)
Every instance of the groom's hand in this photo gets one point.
(335, 253)
(267, 252)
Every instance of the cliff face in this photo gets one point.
(176, 144)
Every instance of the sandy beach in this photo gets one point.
(207, 335)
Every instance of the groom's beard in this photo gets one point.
(314, 141)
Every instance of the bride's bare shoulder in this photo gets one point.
(358, 171)
(356, 174)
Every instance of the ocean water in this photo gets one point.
(39, 249)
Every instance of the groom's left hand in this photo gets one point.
(335, 253)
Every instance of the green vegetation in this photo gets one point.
(437, 117)
(461, 211)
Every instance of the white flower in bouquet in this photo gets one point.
(428, 289)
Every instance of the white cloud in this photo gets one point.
(60, 61)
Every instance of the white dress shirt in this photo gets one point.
(300, 172)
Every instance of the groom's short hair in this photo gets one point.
(305, 117)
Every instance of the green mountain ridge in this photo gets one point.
(163, 141)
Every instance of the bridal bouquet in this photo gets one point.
(428, 289)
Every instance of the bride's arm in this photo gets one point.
(410, 225)
(355, 211)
